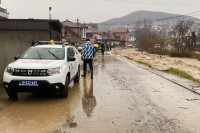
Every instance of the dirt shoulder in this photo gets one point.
(163, 62)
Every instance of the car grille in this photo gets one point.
(30, 72)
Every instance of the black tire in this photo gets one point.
(77, 78)
(64, 91)
(12, 95)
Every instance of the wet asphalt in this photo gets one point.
(122, 98)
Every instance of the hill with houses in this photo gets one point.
(132, 18)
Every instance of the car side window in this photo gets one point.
(68, 52)
(72, 52)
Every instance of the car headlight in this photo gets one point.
(10, 70)
(54, 71)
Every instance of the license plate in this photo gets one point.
(28, 83)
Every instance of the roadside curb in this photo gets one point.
(180, 81)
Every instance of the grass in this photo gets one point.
(144, 63)
(181, 73)
(173, 70)
(128, 57)
(140, 62)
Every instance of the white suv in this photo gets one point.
(44, 67)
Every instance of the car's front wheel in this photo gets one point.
(12, 95)
(64, 91)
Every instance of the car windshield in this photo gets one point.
(44, 54)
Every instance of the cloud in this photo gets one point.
(90, 10)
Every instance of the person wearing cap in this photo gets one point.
(87, 55)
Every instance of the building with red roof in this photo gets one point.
(75, 33)
(116, 34)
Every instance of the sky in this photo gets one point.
(95, 11)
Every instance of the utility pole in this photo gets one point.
(49, 12)
(77, 33)
(102, 37)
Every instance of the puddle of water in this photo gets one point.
(39, 114)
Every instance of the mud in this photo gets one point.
(163, 62)
(121, 98)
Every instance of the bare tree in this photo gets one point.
(182, 34)
(142, 33)
(146, 37)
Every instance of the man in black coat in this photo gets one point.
(102, 48)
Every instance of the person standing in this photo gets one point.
(87, 56)
(108, 46)
(111, 46)
(102, 48)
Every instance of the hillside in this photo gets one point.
(140, 15)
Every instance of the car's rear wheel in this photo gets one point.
(12, 95)
(77, 78)
(64, 91)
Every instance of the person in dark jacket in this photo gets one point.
(87, 55)
(102, 48)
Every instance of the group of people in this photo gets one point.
(106, 46)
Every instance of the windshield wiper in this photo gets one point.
(39, 55)
(54, 55)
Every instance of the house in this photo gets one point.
(93, 35)
(75, 33)
(3, 13)
(120, 35)
(131, 37)
(93, 26)
(92, 32)
(17, 35)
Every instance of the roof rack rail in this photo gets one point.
(63, 43)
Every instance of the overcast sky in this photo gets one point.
(94, 10)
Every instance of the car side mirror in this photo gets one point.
(71, 58)
(16, 57)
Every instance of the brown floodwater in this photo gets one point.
(121, 98)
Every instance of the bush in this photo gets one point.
(186, 54)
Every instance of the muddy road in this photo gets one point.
(122, 98)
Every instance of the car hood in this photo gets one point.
(36, 64)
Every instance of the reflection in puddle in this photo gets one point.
(39, 114)
(88, 100)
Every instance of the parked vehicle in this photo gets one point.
(131, 45)
(157, 45)
(43, 68)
